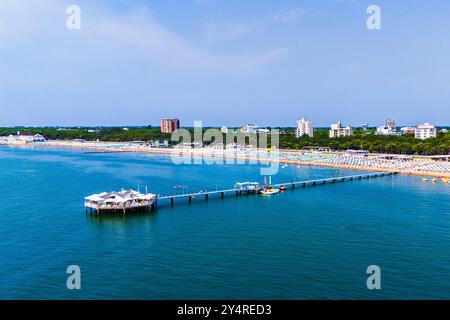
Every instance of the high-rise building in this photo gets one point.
(391, 125)
(337, 130)
(304, 127)
(169, 125)
(426, 131)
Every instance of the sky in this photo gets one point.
(224, 62)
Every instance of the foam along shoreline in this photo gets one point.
(342, 160)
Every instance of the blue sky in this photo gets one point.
(225, 62)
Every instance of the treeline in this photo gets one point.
(101, 134)
(361, 140)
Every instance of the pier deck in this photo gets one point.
(130, 200)
(288, 185)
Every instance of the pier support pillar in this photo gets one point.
(222, 195)
(190, 199)
(171, 202)
(206, 197)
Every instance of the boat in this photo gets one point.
(283, 188)
(269, 191)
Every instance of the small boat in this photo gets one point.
(283, 188)
(269, 191)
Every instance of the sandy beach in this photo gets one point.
(370, 162)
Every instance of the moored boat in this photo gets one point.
(269, 191)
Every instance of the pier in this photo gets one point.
(132, 201)
(205, 195)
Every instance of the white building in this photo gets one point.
(263, 130)
(23, 138)
(426, 131)
(337, 130)
(383, 130)
(389, 129)
(250, 128)
(304, 127)
(408, 130)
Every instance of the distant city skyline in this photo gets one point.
(226, 63)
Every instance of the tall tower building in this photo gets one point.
(169, 125)
(391, 125)
(304, 127)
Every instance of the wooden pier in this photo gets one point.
(289, 185)
(132, 201)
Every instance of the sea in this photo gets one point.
(307, 243)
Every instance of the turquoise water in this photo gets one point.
(311, 243)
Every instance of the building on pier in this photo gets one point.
(124, 201)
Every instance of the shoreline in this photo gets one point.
(118, 147)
